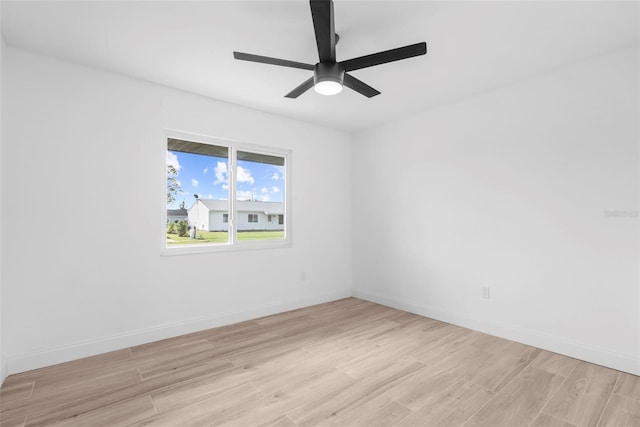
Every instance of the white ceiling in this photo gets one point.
(472, 47)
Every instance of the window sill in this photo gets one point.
(201, 248)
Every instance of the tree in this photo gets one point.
(173, 185)
(182, 228)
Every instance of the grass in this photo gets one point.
(221, 237)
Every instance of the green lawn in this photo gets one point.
(221, 237)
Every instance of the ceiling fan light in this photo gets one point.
(328, 87)
(328, 78)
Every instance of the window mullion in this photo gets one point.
(233, 222)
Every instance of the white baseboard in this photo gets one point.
(600, 356)
(622, 362)
(75, 351)
(3, 369)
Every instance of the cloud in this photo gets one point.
(222, 173)
(264, 190)
(264, 198)
(194, 182)
(204, 172)
(275, 189)
(225, 186)
(278, 174)
(172, 160)
(244, 175)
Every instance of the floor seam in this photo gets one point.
(33, 387)
(155, 408)
(604, 408)
(552, 396)
(497, 393)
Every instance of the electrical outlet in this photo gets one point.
(486, 292)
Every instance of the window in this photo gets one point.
(225, 187)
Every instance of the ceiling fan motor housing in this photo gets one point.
(325, 71)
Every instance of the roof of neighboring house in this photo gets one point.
(176, 212)
(269, 208)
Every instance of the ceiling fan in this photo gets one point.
(329, 76)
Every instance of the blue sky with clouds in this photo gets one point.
(208, 177)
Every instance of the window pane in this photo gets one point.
(260, 185)
(197, 193)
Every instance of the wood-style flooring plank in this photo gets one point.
(379, 412)
(422, 387)
(295, 372)
(519, 402)
(106, 361)
(234, 333)
(374, 361)
(117, 415)
(207, 412)
(621, 411)
(78, 386)
(283, 421)
(354, 394)
(62, 407)
(554, 363)
(450, 408)
(583, 396)
(16, 421)
(277, 402)
(489, 343)
(206, 360)
(61, 394)
(544, 420)
(436, 347)
(500, 369)
(197, 389)
(628, 386)
(16, 391)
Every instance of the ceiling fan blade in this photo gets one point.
(269, 60)
(384, 57)
(323, 24)
(305, 86)
(359, 86)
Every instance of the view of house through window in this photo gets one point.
(200, 179)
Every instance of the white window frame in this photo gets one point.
(233, 243)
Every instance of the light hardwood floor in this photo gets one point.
(344, 363)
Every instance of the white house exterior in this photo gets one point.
(175, 215)
(212, 215)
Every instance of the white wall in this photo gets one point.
(511, 189)
(82, 142)
(3, 361)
